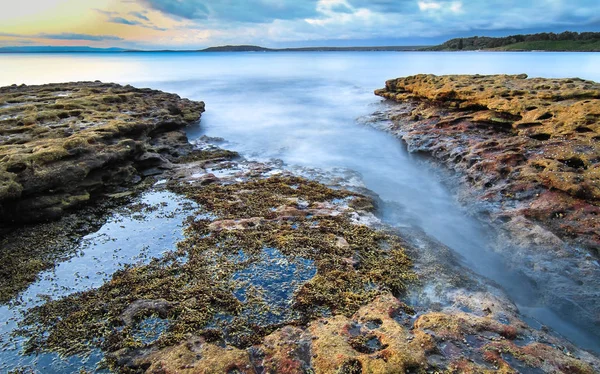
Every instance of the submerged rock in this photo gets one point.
(63, 144)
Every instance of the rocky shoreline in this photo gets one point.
(64, 144)
(282, 274)
(530, 144)
(526, 152)
(276, 274)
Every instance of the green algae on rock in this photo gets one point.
(31, 249)
(196, 288)
(61, 144)
(534, 142)
(277, 275)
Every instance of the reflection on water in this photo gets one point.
(302, 108)
(127, 238)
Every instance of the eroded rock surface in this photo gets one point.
(532, 144)
(281, 274)
(528, 151)
(385, 336)
(62, 144)
(278, 275)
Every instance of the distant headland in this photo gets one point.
(547, 41)
(253, 48)
(567, 41)
(226, 48)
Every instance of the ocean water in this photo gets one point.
(306, 108)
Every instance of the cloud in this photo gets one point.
(65, 36)
(341, 8)
(456, 7)
(251, 11)
(429, 5)
(129, 22)
(74, 36)
(123, 21)
(385, 6)
(434, 6)
(193, 9)
(199, 23)
(106, 12)
(139, 15)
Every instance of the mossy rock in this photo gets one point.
(101, 126)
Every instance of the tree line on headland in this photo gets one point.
(547, 41)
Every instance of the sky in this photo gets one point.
(194, 24)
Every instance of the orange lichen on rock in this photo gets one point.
(381, 337)
(370, 340)
(535, 355)
(513, 137)
(455, 326)
(195, 356)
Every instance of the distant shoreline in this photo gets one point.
(219, 49)
(542, 42)
(288, 50)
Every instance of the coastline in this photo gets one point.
(252, 223)
(486, 138)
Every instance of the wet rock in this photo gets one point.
(288, 350)
(207, 179)
(344, 319)
(152, 159)
(533, 142)
(191, 358)
(528, 158)
(378, 351)
(57, 151)
(234, 225)
(142, 308)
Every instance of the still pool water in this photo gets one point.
(306, 108)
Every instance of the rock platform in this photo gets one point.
(63, 144)
(532, 145)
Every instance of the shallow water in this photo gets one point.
(130, 237)
(305, 109)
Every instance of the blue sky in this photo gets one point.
(183, 24)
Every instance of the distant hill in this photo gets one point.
(53, 49)
(225, 48)
(566, 41)
(236, 48)
(254, 48)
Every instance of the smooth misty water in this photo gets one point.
(303, 108)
